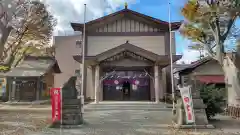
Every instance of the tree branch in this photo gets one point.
(13, 52)
(230, 24)
(18, 39)
(21, 57)
(5, 34)
(217, 27)
(207, 47)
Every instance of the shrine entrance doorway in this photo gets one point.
(127, 86)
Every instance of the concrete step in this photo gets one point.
(127, 106)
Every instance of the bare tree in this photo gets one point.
(25, 29)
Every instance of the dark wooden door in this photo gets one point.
(112, 87)
(26, 90)
(140, 87)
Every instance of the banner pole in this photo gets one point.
(171, 53)
(83, 61)
(192, 104)
(61, 121)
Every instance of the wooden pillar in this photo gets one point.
(38, 89)
(13, 89)
(156, 83)
(161, 89)
(9, 84)
(97, 84)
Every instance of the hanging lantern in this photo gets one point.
(136, 82)
(116, 82)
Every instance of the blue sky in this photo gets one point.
(159, 9)
(98, 8)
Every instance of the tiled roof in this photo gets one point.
(194, 65)
(34, 67)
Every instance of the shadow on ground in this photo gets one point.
(226, 123)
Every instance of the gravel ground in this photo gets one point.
(125, 122)
(34, 121)
(22, 122)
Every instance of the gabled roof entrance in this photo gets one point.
(131, 50)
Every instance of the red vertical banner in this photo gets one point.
(56, 104)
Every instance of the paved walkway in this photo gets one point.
(120, 119)
(129, 119)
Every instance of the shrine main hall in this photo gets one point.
(127, 57)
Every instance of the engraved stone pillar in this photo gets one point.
(156, 83)
(72, 115)
(201, 120)
(97, 84)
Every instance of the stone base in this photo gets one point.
(67, 126)
(194, 126)
(71, 126)
(72, 119)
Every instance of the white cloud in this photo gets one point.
(189, 56)
(66, 11)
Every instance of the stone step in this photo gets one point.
(71, 106)
(130, 109)
(67, 111)
(104, 107)
(123, 105)
(71, 102)
(70, 115)
(127, 105)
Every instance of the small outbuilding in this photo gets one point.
(32, 79)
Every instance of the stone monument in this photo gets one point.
(71, 106)
(201, 120)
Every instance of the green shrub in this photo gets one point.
(213, 98)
